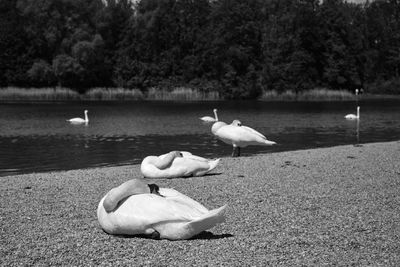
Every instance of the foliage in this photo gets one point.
(238, 49)
(41, 74)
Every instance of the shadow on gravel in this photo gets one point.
(209, 235)
(212, 174)
(202, 235)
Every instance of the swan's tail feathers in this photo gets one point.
(269, 143)
(213, 164)
(207, 221)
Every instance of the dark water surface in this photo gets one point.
(36, 137)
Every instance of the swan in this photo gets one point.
(80, 120)
(176, 164)
(236, 134)
(239, 135)
(352, 116)
(210, 119)
(136, 208)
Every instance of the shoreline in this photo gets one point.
(337, 206)
(222, 157)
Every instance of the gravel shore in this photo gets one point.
(330, 206)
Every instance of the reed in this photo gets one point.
(319, 94)
(161, 94)
(110, 94)
(181, 94)
(34, 94)
(65, 94)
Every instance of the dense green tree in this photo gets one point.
(41, 74)
(239, 48)
(14, 51)
(68, 71)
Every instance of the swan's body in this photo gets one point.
(176, 164)
(237, 135)
(80, 120)
(167, 215)
(352, 116)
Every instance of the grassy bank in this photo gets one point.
(11, 94)
(335, 206)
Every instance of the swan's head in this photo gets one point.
(215, 110)
(236, 123)
(86, 111)
(176, 154)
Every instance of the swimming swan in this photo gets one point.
(352, 116)
(135, 208)
(210, 119)
(176, 164)
(80, 120)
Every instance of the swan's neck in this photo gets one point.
(86, 117)
(358, 112)
(215, 115)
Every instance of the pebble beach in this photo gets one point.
(328, 206)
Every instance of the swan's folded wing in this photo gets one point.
(238, 133)
(253, 131)
(151, 208)
(177, 197)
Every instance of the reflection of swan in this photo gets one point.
(176, 164)
(239, 135)
(136, 208)
(352, 116)
(210, 119)
(80, 120)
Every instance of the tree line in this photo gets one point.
(238, 48)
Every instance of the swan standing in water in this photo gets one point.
(236, 134)
(176, 164)
(352, 116)
(80, 120)
(135, 208)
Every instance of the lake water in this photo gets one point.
(36, 137)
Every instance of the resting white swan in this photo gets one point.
(352, 116)
(135, 208)
(236, 134)
(80, 120)
(176, 164)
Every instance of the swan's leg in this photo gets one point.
(131, 187)
(236, 151)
